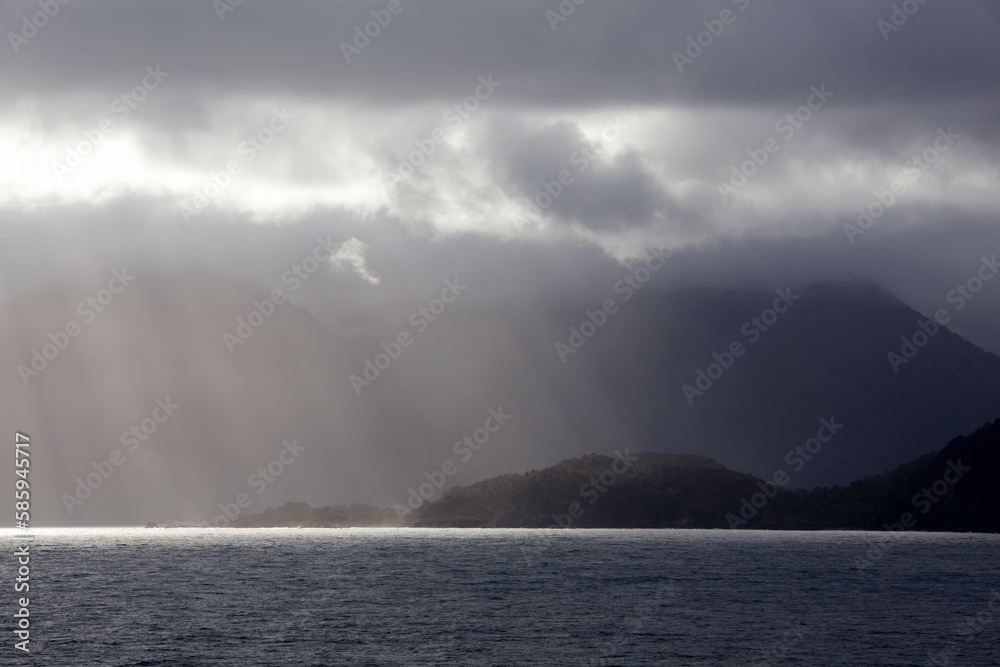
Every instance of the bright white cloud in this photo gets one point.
(350, 257)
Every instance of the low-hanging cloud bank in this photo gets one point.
(586, 131)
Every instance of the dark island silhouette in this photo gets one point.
(952, 489)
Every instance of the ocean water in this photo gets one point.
(504, 597)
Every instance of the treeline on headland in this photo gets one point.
(953, 489)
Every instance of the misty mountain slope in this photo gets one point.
(162, 338)
(825, 358)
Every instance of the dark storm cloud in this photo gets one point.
(606, 53)
(889, 95)
(563, 175)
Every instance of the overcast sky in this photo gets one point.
(121, 118)
(646, 123)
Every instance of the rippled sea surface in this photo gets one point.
(504, 597)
